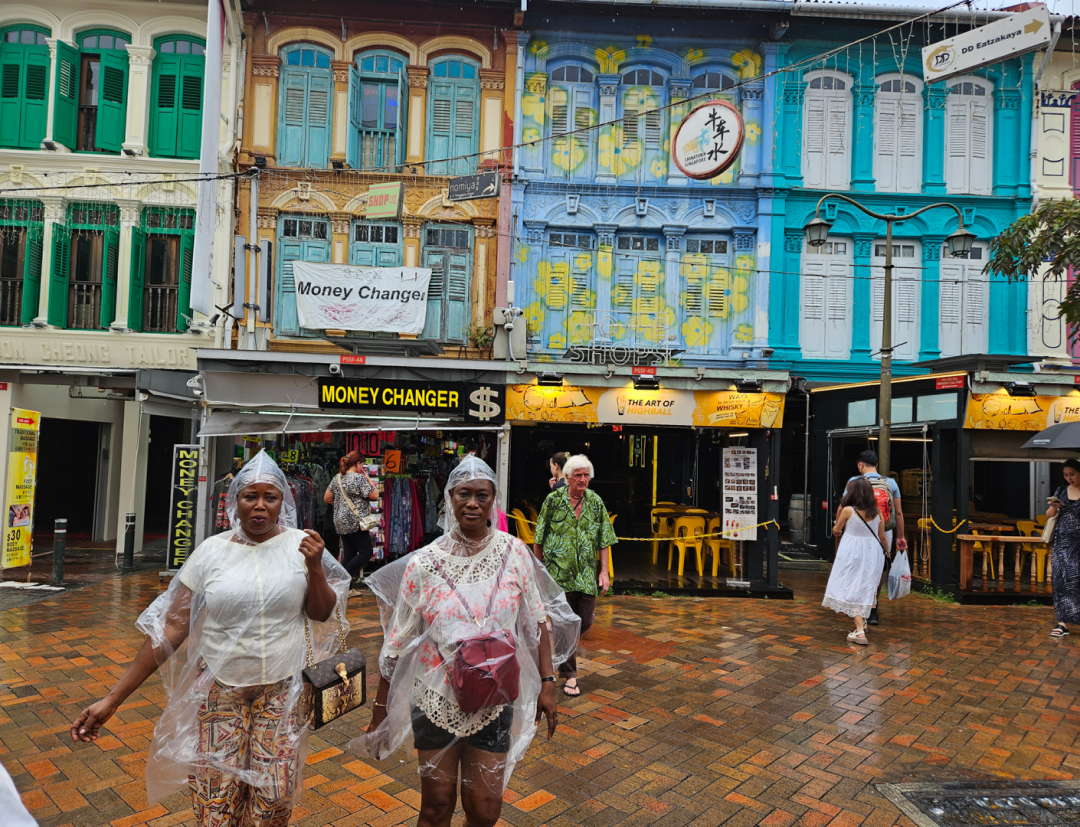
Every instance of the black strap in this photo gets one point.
(458, 595)
(860, 516)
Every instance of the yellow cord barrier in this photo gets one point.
(673, 537)
(943, 531)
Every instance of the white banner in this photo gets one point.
(376, 299)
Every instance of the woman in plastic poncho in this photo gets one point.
(229, 636)
(473, 580)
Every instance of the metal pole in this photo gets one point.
(129, 543)
(58, 546)
(885, 403)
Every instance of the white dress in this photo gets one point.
(856, 574)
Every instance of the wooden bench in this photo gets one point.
(1002, 544)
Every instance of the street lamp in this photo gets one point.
(817, 232)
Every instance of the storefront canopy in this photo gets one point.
(243, 423)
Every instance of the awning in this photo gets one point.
(239, 423)
(1007, 445)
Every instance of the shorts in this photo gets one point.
(495, 737)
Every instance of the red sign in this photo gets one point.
(1076, 381)
(3, 385)
(948, 382)
(353, 360)
(641, 370)
(22, 420)
(616, 428)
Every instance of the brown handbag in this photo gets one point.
(333, 686)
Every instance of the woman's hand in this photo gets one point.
(378, 715)
(312, 548)
(548, 707)
(551, 482)
(89, 723)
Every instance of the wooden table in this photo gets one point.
(996, 528)
(967, 561)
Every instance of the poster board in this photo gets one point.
(21, 482)
(740, 493)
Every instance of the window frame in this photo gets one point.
(30, 232)
(843, 165)
(569, 145)
(106, 238)
(304, 133)
(907, 181)
(366, 147)
(23, 119)
(183, 137)
(972, 163)
(460, 146)
(651, 136)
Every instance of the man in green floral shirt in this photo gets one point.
(573, 528)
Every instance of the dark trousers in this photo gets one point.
(358, 551)
(583, 605)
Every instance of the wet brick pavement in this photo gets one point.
(696, 711)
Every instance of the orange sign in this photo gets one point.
(1001, 412)
(392, 462)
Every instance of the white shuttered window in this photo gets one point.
(826, 157)
(965, 299)
(906, 297)
(898, 116)
(825, 332)
(968, 137)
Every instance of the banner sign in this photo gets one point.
(384, 201)
(472, 187)
(472, 402)
(627, 406)
(1001, 412)
(1024, 32)
(185, 485)
(375, 299)
(708, 140)
(22, 477)
(740, 492)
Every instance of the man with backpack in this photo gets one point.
(887, 494)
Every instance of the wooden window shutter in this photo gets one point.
(356, 106)
(466, 129)
(183, 296)
(35, 109)
(286, 322)
(318, 125)
(885, 143)
(957, 125)
(136, 291)
(112, 101)
(909, 146)
(292, 117)
(164, 106)
(839, 141)
(979, 175)
(433, 325)
(190, 92)
(110, 269)
(814, 164)
(32, 260)
(58, 275)
(439, 144)
(65, 109)
(457, 298)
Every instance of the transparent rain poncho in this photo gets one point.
(233, 616)
(424, 621)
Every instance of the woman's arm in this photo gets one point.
(546, 706)
(881, 536)
(177, 623)
(373, 494)
(328, 497)
(321, 599)
(841, 519)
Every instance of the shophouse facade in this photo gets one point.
(101, 118)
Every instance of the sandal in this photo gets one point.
(858, 638)
(571, 691)
(1059, 631)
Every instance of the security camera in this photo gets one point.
(509, 325)
(335, 369)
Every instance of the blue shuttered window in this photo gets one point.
(448, 252)
(304, 107)
(378, 91)
(374, 244)
(299, 239)
(453, 116)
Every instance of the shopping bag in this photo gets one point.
(899, 577)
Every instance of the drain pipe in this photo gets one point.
(517, 101)
(253, 263)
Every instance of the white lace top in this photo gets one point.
(427, 604)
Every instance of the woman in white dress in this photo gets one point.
(860, 559)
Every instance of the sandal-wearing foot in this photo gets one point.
(858, 638)
(1059, 631)
(571, 691)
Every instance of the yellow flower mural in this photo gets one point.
(551, 284)
(532, 104)
(726, 296)
(748, 63)
(694, 268)
(652, 319)
(582, 261)
(753, 133)
(610, 58)
(614, 152)
(649, 275)
(568, 152)
(537, 46)
(641, 98)
(744, 262)
(643, 41)
(557, 341)
(744, 333)
(530, 135)
(534, 317)
(658, 168)
(603, 263)
(521, 253)
(695, 55)
(696, 331)
(579, 327)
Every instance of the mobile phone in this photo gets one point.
(1053, 500)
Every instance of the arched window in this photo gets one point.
(307, 90)
(378, 92)
(24, 86)
(712, 81)
(101, 119)
(453, 115)
(898, 111)
(642, 99)
(571, 96)
(826, 161)
(968, 136)
(176, 97)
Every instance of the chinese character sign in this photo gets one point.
(708, 140)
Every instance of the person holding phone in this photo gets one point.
(1065, 549)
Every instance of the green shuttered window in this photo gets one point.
(176, 97)
(24, 86)
(21, 254)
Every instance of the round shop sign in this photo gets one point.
(708, 140)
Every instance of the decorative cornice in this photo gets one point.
(605, 234)
(55, 207)
(680, 87)
(1007, 98)
(793, 93)
(341, 70)
(413, 227)
(339, 222)
(744, 239)
(130, 212)
(1056, 100)
(536, 84)
(486, 230)
(492, 79)
(864, 94)
(793, 240)
(751, 93)
(931, 248)
(140, 55)
(934, 97)
(267, 218)
(418, 76)
(267, 66)
(864, 244)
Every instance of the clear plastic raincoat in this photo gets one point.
(233, 616)
(425, 620)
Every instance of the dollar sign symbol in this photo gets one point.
(483, 397)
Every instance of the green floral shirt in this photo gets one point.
(571, 544)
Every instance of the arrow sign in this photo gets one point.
(1008, 37)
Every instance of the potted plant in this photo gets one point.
(482, 336)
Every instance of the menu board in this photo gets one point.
(740, 493)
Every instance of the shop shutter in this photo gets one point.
(35, 236)
(112, 100)
(110, 269)
(457, 297)
(293, 117)
(183, 295)
(66, 109)
(58, 275)
(957, 126)
(979, 162)
(356, 107)
(192, 79)
(886, 150)
(839, 141)
(164, 107)
(137, 282)
(814, 155)
(320, 90)
(433, 324)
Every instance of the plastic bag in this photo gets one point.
(899, 577)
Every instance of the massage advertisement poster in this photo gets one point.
(21, 479)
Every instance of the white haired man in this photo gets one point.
(572, 531)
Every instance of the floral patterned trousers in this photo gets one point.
(246, 727)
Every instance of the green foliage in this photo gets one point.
(934, 593)
(1048, 237)
(481, 335)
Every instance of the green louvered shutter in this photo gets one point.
(112, 99)
(66, 109)
(137, 288)
(164, 107)
(110, 270)
(12, 69)
(58, 275)
(192, 77)
(35, 108)
(183, 299)
(31, 290)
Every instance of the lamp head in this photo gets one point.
(817, 231)
(960, 243)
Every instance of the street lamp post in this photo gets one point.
(817, 232)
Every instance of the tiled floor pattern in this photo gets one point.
(695, 711)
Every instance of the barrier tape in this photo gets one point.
(943, 531)
(660, 538)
